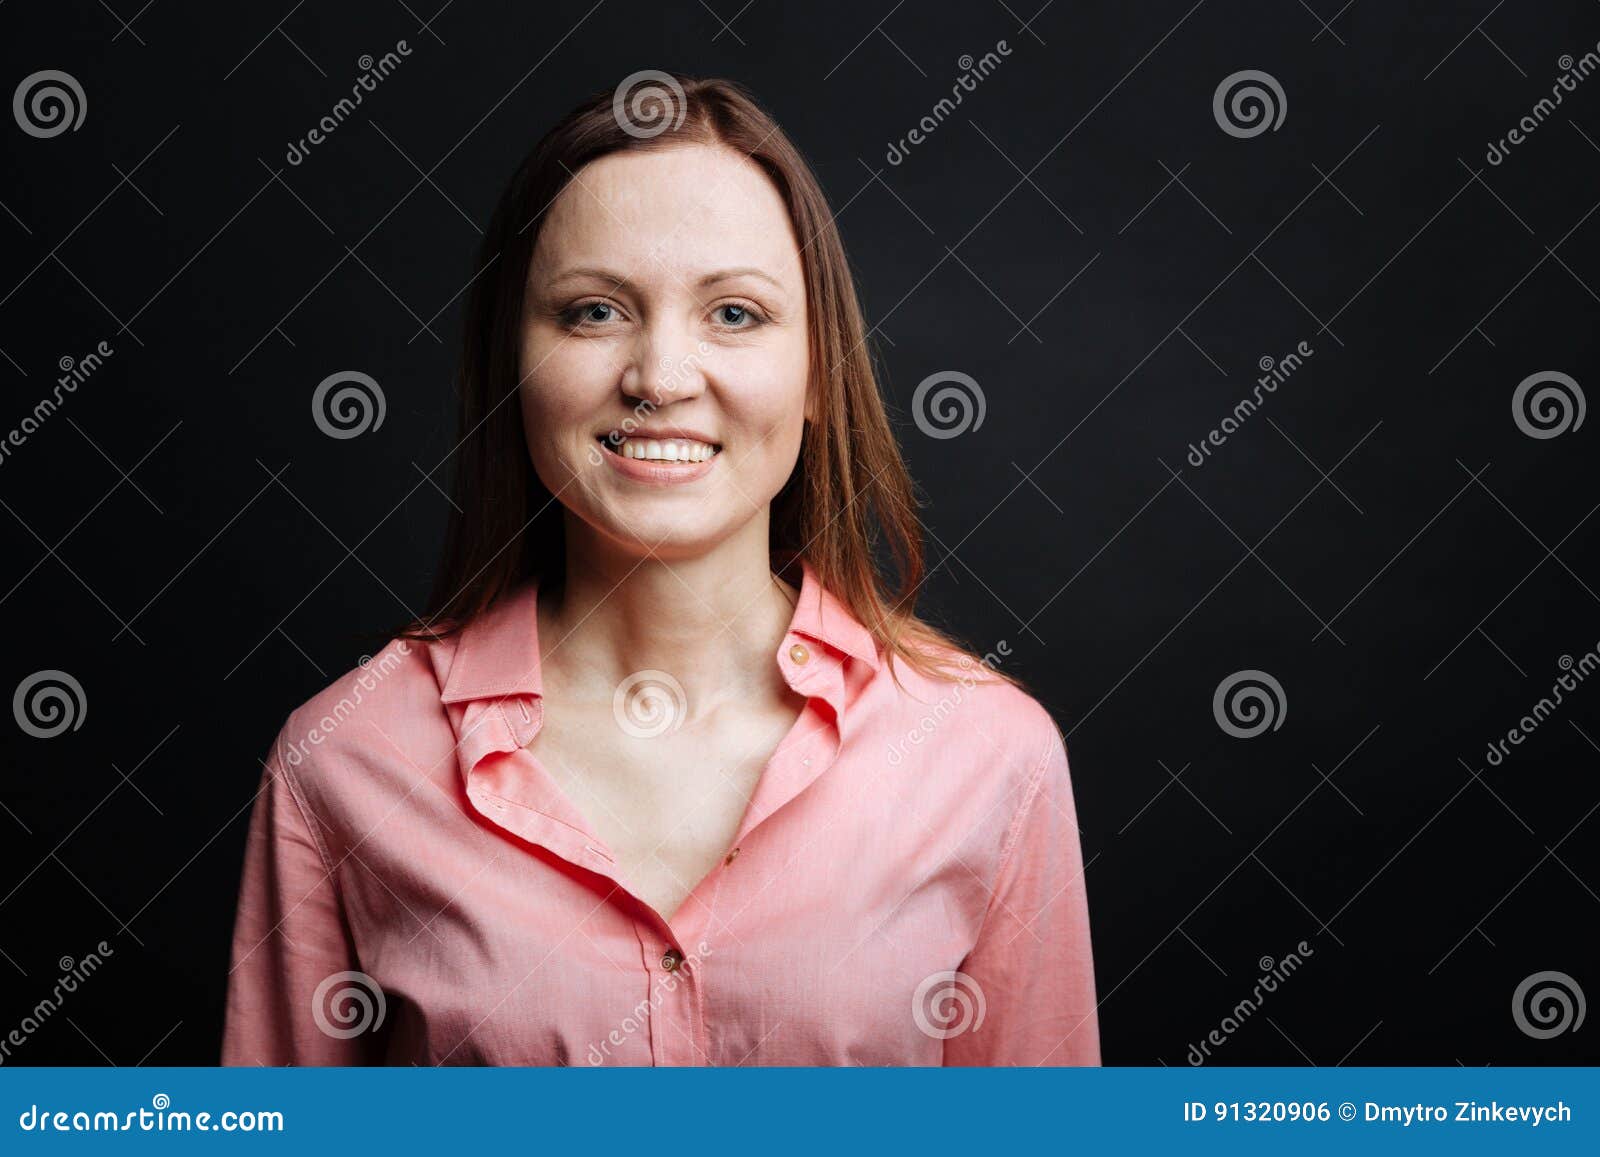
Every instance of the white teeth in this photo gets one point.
(671, 450)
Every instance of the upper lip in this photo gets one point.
(661, 434)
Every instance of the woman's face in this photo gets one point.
(664, 354)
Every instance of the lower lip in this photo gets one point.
(657, 472)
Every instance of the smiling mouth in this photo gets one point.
(686, 450)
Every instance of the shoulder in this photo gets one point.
(973, 711)
(380, 694)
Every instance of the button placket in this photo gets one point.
(670, 979)
(812, 744)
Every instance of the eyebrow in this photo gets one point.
(708, 280)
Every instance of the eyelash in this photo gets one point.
(573, 317)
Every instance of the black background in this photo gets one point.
(1381, 537)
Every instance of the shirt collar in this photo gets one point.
(497, 654)
(819, 615)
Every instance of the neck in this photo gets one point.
(712, 621)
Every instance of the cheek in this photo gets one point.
(563, 384)
(770, 413)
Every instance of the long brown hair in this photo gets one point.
(849, 488)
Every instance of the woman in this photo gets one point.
(666, 775)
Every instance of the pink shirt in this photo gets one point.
(906, 886)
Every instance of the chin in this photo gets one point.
(661, 537)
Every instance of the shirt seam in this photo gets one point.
(1014, 833)
(311, 828)
(501, 690)
(539, 812)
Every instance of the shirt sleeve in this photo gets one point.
(292, 946)
(1032, 966)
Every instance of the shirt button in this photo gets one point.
(671, 959)
(799, 653)
(731, 856)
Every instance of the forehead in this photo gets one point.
(684, 209)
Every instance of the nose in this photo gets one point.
(664, 366)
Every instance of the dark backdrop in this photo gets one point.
(1383, 537)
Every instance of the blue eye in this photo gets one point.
(588, 313)
(734, 315)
